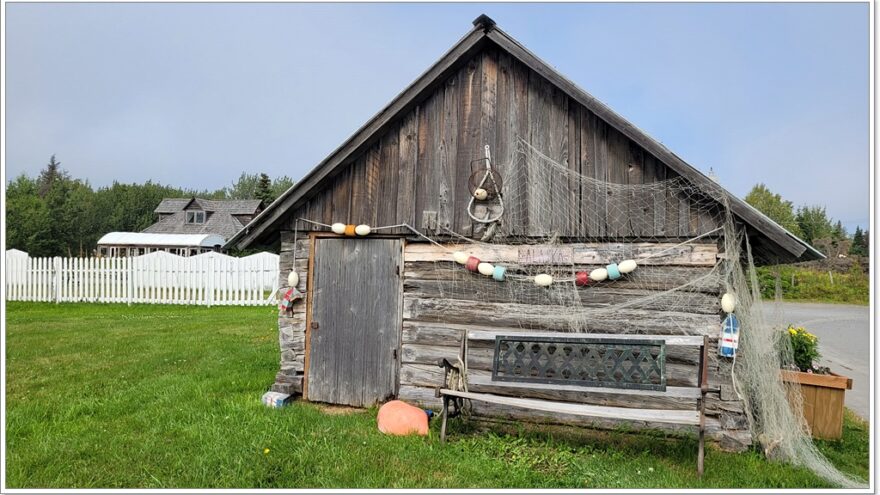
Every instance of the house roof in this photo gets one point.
(219, 223)
(772, 241)
(231, 206)
(220, 219)
(146, 239)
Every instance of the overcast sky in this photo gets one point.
(193, 94)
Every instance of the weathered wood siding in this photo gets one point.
(441, 302)
(424, 161)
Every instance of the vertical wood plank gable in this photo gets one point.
(386, 207)
(408, 155)
(468, 147)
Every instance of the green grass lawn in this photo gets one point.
(167, 397)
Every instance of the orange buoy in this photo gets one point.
(349, 230)
(399, 418)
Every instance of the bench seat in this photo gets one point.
(673, 416)
(540, 370)
(692, 393)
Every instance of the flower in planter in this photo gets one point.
(805, 350)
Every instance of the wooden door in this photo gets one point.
(354, 333)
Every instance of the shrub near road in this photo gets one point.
(810, 285)
(166, 397)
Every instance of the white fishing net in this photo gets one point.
(557, 226)
(669, 227)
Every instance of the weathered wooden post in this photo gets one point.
(129, 285)
(56, 279)
(211, 268)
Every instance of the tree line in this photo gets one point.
(54, 214)
(809, 222)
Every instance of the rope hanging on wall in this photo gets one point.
(485, 187)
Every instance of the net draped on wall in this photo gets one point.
(528, 249)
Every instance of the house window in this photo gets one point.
(195, 217)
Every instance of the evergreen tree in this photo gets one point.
(857, 244)
(772, 205)
(49, 175)
(264, 189)
(838, 233)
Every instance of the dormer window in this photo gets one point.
(195, 217)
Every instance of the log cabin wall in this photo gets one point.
(437, 311)
(441, 301)
(423, 162)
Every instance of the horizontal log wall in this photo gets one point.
(434, 322)
(441, 302)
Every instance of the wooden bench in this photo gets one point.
(549, 362)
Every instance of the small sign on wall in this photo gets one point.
(544, 255)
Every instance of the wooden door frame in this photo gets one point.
(313, 238)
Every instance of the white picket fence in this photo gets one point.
(156, 278)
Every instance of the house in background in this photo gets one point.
(186, 227)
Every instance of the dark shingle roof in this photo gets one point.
(231, 206)
(220, 223)
(220, 219)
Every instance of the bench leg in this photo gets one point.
(444, 416)
(701, 453)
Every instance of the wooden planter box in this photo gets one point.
(823, 401)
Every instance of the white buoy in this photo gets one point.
(460, 257)
(728, 302)
(481, 194)
(599, 274)
(338, 228)
(543, 280)
(293, 279)
(486, 269)
(362, 230)
(626, 266)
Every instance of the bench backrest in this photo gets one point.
(624, 363)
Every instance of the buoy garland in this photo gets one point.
(351, 230)
(581, 278)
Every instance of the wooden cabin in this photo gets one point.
(376, 318)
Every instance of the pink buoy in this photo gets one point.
(581, 279)
(472, 264)
(399, 418)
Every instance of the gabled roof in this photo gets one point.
(219, 223)
(772, 238)
(231, 206)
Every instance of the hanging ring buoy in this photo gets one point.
(488, 182)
